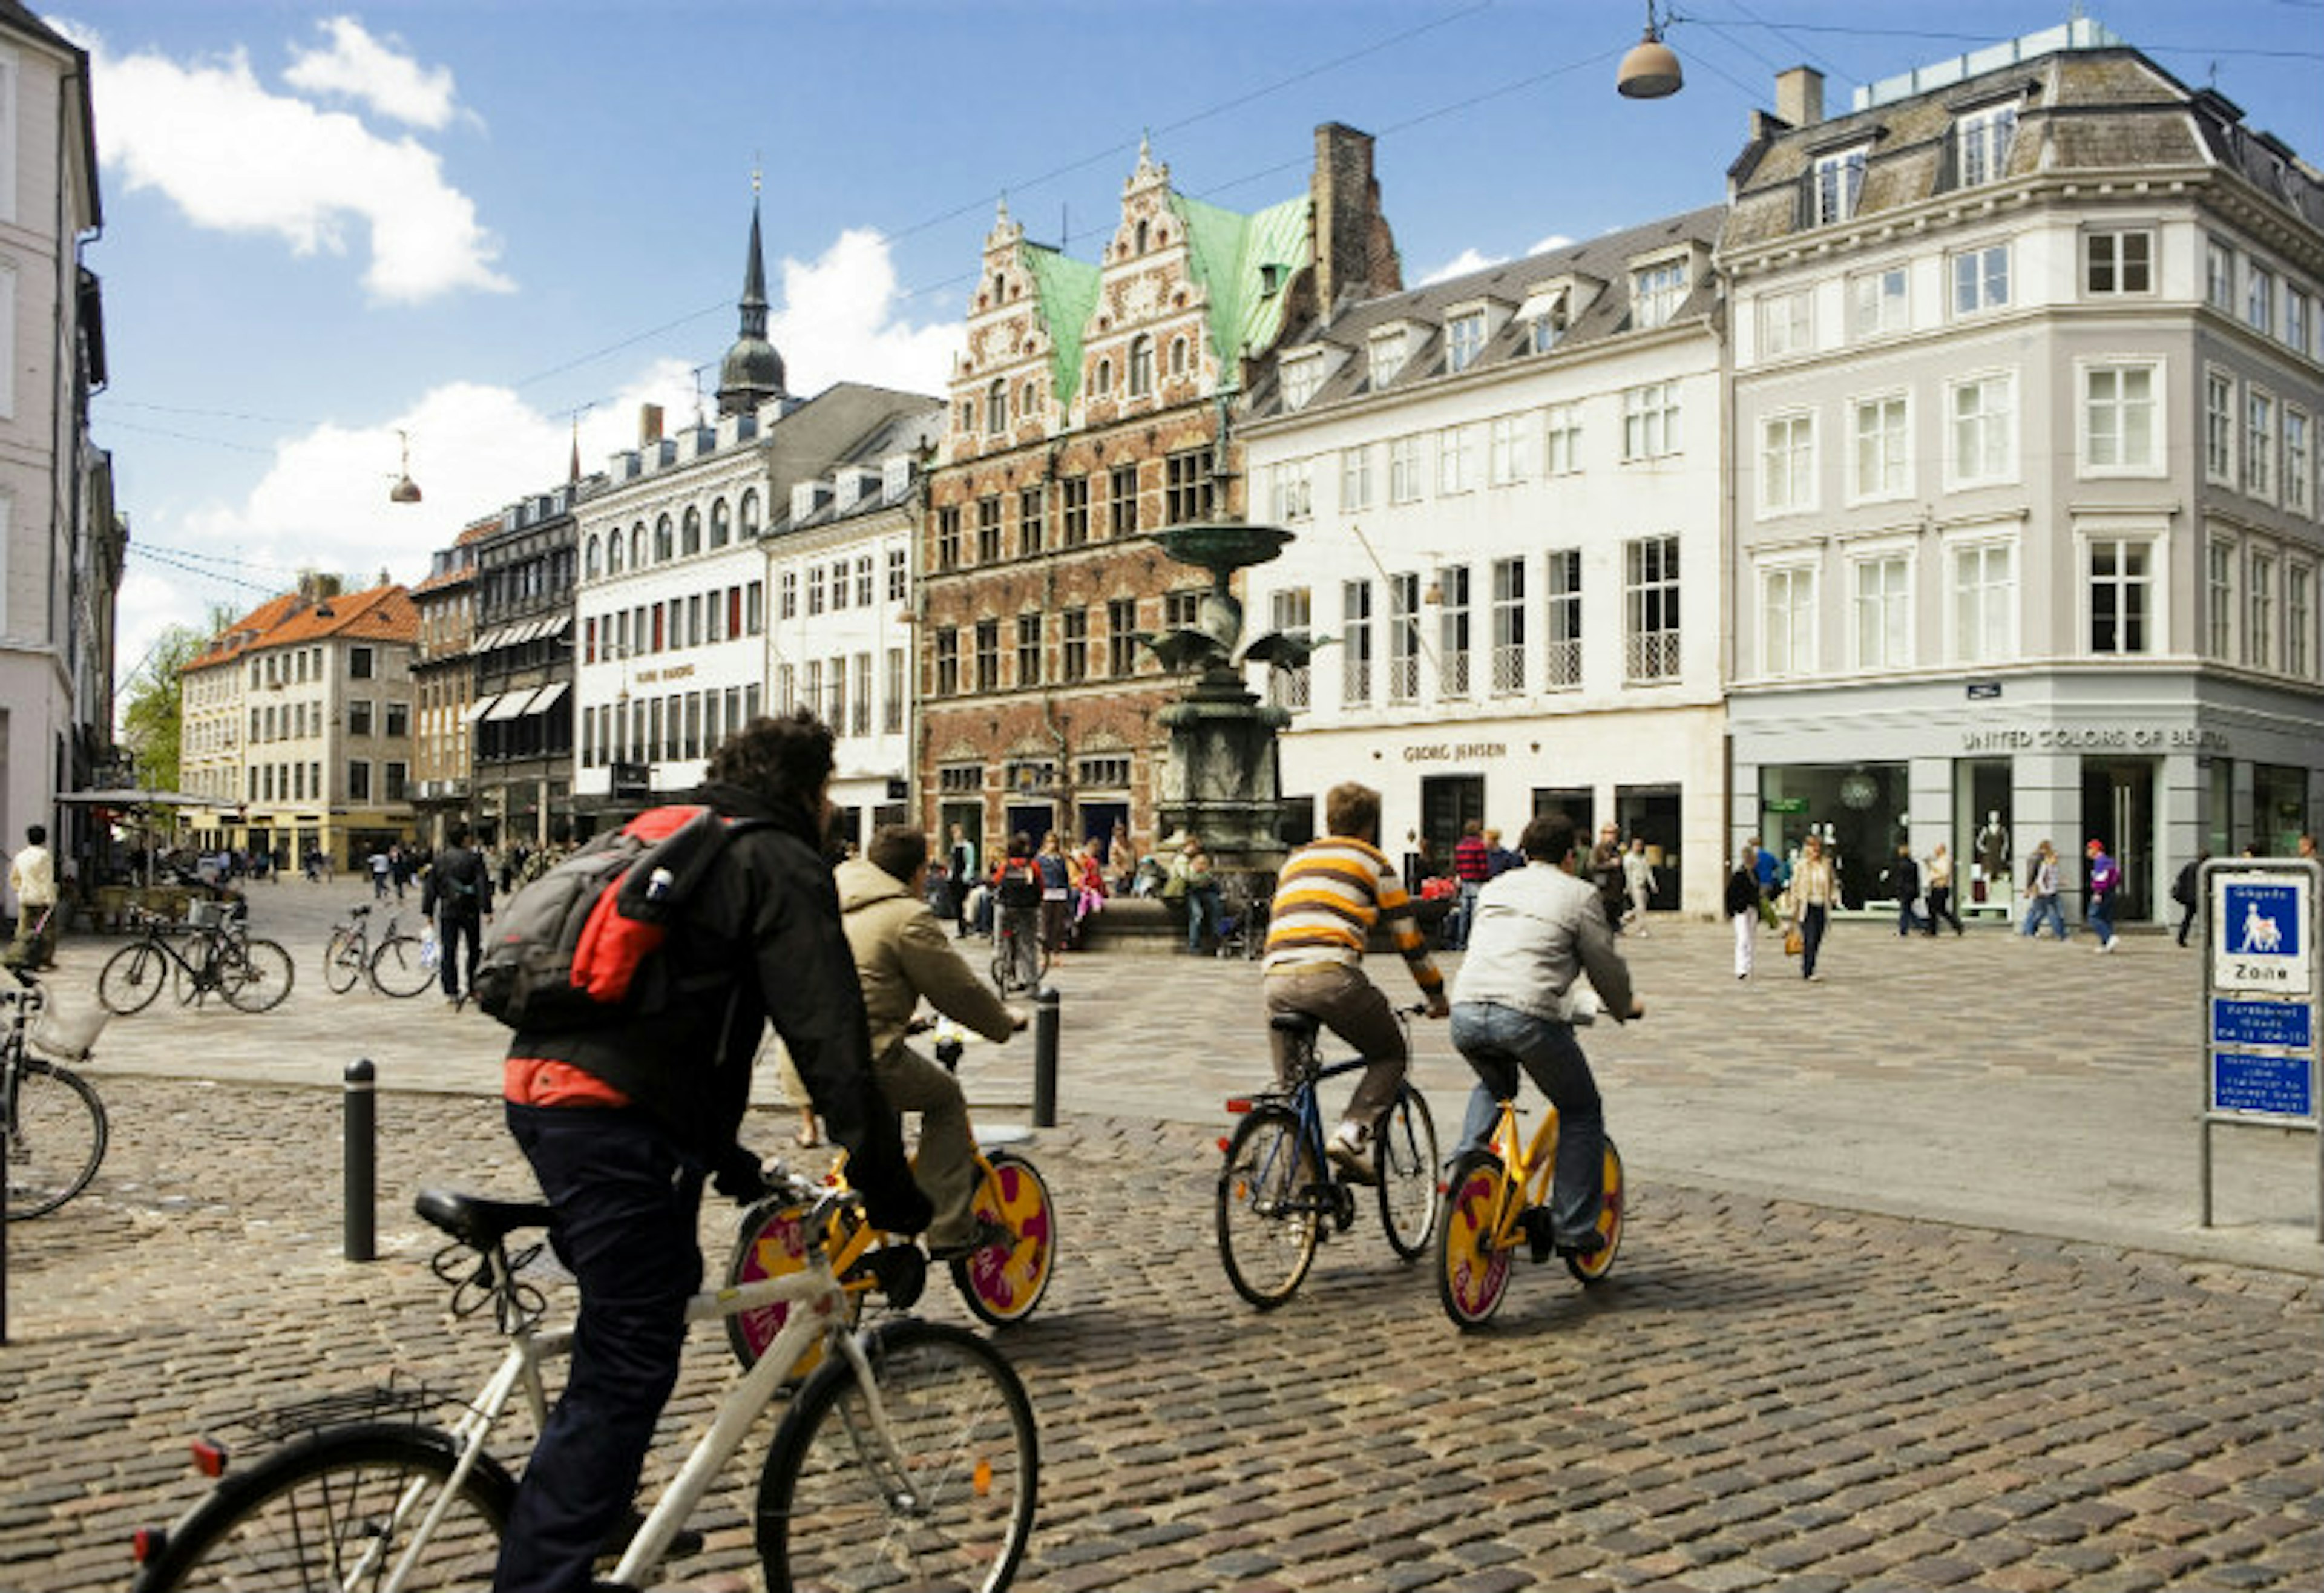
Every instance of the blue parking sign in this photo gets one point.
(2259, 933)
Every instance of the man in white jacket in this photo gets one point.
(1539, 930)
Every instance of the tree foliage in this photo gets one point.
(154, 716)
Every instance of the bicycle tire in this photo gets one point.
(397, 969)
(56, 1132)
(343, 961)
(308, 1512)
(1404, 1153)
(256, 974)
(1003, 1284)
(770, 1241)
(832, 1514)
(1593, 1267)
(131, 977)
(1268, 1218)
(1471, 1274)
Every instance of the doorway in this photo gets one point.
(1653, 812)
(1578, 803)
(2119, 808)
(1448, 804)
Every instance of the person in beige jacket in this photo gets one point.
(1815, 892)
(902, 954)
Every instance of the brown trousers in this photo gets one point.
(1352, 1007)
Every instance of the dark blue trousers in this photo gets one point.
(627, 1200)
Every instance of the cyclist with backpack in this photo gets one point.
(456, 896)
(624, 1115)
(1017, 887)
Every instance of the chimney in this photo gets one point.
(649, 425)
(1799, 96)
(1354, 251)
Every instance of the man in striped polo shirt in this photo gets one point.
(1328, 895)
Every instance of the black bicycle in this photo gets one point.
(51, 1120)
(219, 957)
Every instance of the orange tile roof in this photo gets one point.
(382, 613)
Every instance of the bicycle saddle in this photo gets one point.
(1296, 1023)
(477, 1221)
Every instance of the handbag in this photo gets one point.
(1794, 943)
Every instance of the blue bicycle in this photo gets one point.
(1280, 1195)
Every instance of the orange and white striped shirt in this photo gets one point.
(1328, 895)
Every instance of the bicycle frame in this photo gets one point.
(1530, 1164)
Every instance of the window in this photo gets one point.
(358, 779)
(1464, 340)
(1650, 417)
(359, 663)
(1546, 328)
(2295, 319)
(1403, 637)
(1387, 352)
(1839, 181)
(1121, 636)
(358, 717)
(1187, 493)
(862, 584)
(1456, 460)
(1563, 440)
(1787, 620)
(2219, 598)
(2259, 443)
(1507, 452)
(1301, 378)
(1984, 429)
(689, 532)
(948, 537)
(891, 700)
(1073, 663)
(2218, 275)
(754, 609)
(1452, 632)
(1075, 491)
(1355, 480)
(1883, 463)
(1101, 385)
(1141, 365)
(2120, 586)
(1289, 687)
(987, 660)
(1783, 325)
(988, 530)
(1177, 356)
(1561, 666)
(814, 589)
(1786, 464)
(996, 408)
(2259, 300)
(2298, 461)
(1981, 145)
(2119, 429)
(1125, 499)
(1981, 279)
(1883, 602)
(1356, 641)
(813, 702)
(1182, 609)
(1029, 520)
(664, 542)
(1028, 649)
(399, 719)
(2119, 260)
(1508, 626)
(1650, 608)
(1656, 292)
(839, 578)
(2299, 618)
(899, 579)
(721, 524)
(1404, 470)
(2259, 611)
(1292, 485)
(1879, 302)
(2220, 428)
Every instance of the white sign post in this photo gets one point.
(2260, 988)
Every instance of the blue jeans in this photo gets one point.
(1497, 1041)
(627, 1200)
(2100, 915)
(1812, 919)
(1462, 919)
(2044, 907)
(1201, 914)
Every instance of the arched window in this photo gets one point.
(1177, 356)
(1103, 386)
(1141, 238)
(996, 408)
(594, 555)
(1141, 365)
(689, 536)
(614, 554)
(661, 540)
(996, 287)
(638, 545)
(1029, 401)
(750, 527)
(722, 525)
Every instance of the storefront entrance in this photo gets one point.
(1448, 802)
(1653, 812)
(2119, 808)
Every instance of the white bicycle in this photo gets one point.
(908, 1457)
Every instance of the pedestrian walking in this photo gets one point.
(32, 876)
(378, 864)
(1472, 865)
(1742, 904)
(1606, 873)
(1940, 892)
(1815, 892)
(1904, 885)
(2187, 891)
(961, 860)
(2042, 891)
(1639, 880)
(2103, 879)
(456, 896)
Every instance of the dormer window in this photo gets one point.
(1388, 352)
(1464, 340)
(1656, 293)
(1981, 143)
(1838, 182)
(1301, 378)
(1544, 316)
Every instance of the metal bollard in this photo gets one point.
(362, 1173)
(1044, 1059)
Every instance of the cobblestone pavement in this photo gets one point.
(1767, 1392)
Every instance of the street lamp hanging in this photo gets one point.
(405, 490)
(1650, 71)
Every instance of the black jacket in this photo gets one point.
(1742, 892)
(760, 941)
(457, 885)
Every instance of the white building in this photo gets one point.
(1507, 493)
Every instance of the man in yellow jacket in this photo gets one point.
(902, 954)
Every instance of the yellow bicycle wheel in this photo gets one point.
(1472, 1272)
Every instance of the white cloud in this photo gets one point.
(1460, 265)
(1554, 241)
(838, 323)
(363, 69)
(235, 156)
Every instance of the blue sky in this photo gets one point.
(484, 222)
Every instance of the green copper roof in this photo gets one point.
(1068, 292)
(1230, 254)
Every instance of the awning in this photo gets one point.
(546, 697)
(480, 707)
(510, 705)
(556, 626)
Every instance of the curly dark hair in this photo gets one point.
(785, 760)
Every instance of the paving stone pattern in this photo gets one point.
(1767, 1392)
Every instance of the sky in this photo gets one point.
(482, 228)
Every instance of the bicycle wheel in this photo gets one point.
(1003, 1283)
(771, 1242)
(255, 974)
(1405, 1151)
(343, 961)
(1004, 966)
(396, 967)
(943, 1498)
(56, 1133)
(1268, 1216)
(337, 1510)
(1591, 1267)
(131, 977)
(1471, 1272)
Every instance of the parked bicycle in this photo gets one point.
(1000, 1280)
(1496, 1202)
(908, 1459)
(51, 1121)
(221, 957)
(1278, 1192)
(400, 966)
(1019, 961)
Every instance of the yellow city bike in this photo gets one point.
(1002, 1280)
(1498, 1204)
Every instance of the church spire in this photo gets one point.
(752, 371)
